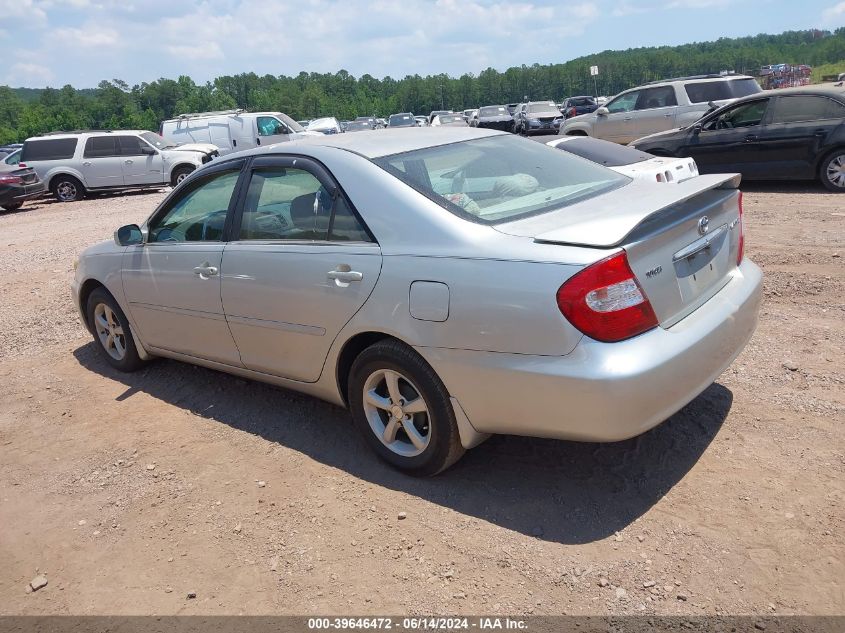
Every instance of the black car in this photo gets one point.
(360, 126)
(575, 106)
(790, 134)
(403, 119)
(494, 117)
(17, 185)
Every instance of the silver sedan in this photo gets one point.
(443, 284)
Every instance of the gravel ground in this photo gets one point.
(127, 493)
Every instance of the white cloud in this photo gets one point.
(698, 4)
(834, 16)
(88, 36)
(21, 10)
(28, 74)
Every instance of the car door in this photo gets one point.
(102, 164)
(172, 280)
(797, 130)
(302, 265)
(270, 130)
(654, 112)
(730, 140)
(617, 123)
(140, 168)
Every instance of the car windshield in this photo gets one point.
(493, 111)
(501, 178)
(541, 107)
(317, 124)
(719, 90)
(582, 101)
(402, 119)
(293, 125)
(358, 125)
(451, 118)
(159, 142)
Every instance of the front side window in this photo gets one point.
(199, 214)
(625, 103)
(129, 145)
(270, 126)
(101, 147)
(800, 108)
(501, 178)
(660, 97)
(744, 115)
(285, 203)
(13, 159)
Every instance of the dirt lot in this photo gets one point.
(129, 492)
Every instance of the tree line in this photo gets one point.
(114, 104)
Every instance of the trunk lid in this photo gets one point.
(681, 240)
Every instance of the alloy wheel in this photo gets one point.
(836, 171)
(397, 413)
(66, 191)
(109, 331)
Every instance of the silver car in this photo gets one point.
(442, 285)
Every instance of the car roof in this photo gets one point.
(384, 142)
(807, 90)
(61, 135)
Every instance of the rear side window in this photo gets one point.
(48, 149)
(706, 91)
(798, 108)
(101, 147)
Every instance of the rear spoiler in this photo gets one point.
(605, 221)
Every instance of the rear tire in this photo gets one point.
(832, 171)
(403, 409)
(112, 333)
(180, 173)
(11, 206)
(67, 188)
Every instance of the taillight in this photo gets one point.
(11, 180)
(605, 301)
(573, 112)
(740, 249)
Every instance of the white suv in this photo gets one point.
(70, 164)
(659, 106)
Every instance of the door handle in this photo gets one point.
(345, 276)
(128, 162)
(750, 138)
(258, 141)
(86, 164)
(820, 132)
(205, 271)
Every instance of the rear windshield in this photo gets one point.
(582, 101)
(402, 119)
(48, 149)
(493, 111)
(718, 90)
(451, 118)
(501, 178)
(543, 107)
(604, 152)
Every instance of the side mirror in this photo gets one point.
(696, 129)
(602, 111)
(149, 151)
(129, 235)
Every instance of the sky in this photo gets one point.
(81, 42)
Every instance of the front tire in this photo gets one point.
(112, 333)
(67, 188)
(179, 174)
(832, 171)
(403, 409)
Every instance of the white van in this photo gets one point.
(233, 130)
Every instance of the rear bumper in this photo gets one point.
(605, 392)
(21, 193)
